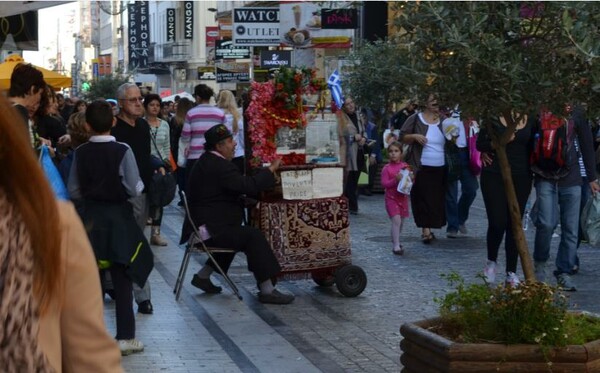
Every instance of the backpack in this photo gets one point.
(551, 155)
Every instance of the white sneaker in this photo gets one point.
(489, 272)
(130, 346)
(463, 229)
(512, 280)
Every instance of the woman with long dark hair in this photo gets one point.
(47, 272)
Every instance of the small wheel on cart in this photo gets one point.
(323, 280)
(350, 280)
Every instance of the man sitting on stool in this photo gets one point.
(215, 189)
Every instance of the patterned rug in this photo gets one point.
(307, 235)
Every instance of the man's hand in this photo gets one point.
(275, 165)
(595, 187)
(372, 160)
(162, 171)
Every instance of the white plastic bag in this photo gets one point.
(405, 184)
(590, 220)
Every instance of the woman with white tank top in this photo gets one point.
(423, 131)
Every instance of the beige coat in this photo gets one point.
(348, 146)
(72, 332)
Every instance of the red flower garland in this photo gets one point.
(276, 105)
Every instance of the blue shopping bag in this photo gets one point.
(52, 174)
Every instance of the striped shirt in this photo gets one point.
(197, 121)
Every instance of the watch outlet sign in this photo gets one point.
(256, 26)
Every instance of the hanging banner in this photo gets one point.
(233, 72)
(256, 26)
(212, 35)
(22, 29)
(171, 24)
(301, 27)
(139, 34)
(188, 19)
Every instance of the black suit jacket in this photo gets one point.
(214, 191)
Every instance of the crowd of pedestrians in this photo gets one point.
(109, 150)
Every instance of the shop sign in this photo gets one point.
(139, 34)
(206, 73)
(170, 24)
(275, 59)
(256, 26)
(226, 50)
(339, 18)
(188, 19)
(233, 72)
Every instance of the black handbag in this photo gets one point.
(163, 187)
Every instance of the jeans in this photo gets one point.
(141, 210)
(457, 210)
(552, 199)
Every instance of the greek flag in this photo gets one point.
(335, 86)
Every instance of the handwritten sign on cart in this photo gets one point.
(297, 184)
(323, 182)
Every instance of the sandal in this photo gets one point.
(399, 251)
(427, 238)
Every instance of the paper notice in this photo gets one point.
(328, 182)
(297, 184)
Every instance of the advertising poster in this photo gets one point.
(301, 27)
(322, 140)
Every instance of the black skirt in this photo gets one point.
(427, 197)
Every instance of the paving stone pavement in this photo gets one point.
(322, 331)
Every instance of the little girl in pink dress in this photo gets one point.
(396, 203)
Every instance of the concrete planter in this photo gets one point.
(424, 351)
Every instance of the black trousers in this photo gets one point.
(123, 289)
(252, 242)
(351, 189)
(428, 197)
(499, 221)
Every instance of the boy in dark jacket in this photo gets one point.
(103, 176)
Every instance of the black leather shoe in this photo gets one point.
(205, 285)
(145, 307)
(276, 298)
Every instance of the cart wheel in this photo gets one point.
(325, 281)
(350, 280)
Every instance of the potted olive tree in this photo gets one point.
(500, 59)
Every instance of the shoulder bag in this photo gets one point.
(163, 187)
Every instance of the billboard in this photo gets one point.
(301, 26)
